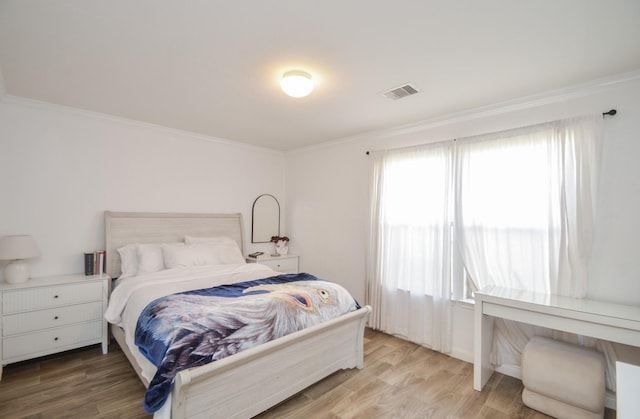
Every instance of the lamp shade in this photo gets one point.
(18, 247)
(296, 83)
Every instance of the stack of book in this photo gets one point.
(94, 262)
(258, 255)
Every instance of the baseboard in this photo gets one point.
(461, 355)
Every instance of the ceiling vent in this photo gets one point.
(400, 92)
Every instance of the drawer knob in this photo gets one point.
(55, 318)
(55, 338)
(55, 296)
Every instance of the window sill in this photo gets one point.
(467, 303)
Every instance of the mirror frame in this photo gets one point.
(253, 219)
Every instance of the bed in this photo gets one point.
(253, 380)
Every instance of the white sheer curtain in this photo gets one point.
(525, 205)
(525, 209)
(409, 251)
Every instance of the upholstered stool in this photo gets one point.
(563, 380)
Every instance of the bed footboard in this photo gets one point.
(252, 381)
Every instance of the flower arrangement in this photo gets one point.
(281, 245)
(276, 239)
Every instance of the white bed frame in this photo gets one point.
(252, 381)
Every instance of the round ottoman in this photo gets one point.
(563, 380)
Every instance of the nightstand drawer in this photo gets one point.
(289, 265)
(54, 317)
(47, 297)
(51, 340)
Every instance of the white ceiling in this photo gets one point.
(213, 66)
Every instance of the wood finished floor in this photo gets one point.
(399, 380)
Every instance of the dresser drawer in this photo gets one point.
(288, 266)
(51, 314)
(47, 297)
(51, 340)
(54, 317)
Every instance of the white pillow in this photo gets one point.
(150, 258)
(194, 254)
(128, 260)
(226, 249)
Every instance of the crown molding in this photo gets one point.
(52, 107)
(500, 108)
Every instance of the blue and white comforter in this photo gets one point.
(192, 328)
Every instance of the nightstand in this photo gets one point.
(47, 315)
(287, 264)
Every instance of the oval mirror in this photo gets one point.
(265, 221)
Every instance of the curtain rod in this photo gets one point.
(609, 113)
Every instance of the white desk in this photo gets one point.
(612, 322)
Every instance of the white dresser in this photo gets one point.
(287, 264)
(53, 314)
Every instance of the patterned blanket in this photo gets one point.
(193, 328)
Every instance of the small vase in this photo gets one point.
(281, 247)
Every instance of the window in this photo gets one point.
(508, 210)
(512, 209)
(525, 203)
(414, 217)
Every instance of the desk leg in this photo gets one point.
(483, 338)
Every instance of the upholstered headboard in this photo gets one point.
(122, 228)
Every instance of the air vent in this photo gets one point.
(400, 92)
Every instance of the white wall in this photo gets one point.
(61, 168)
(327, 189)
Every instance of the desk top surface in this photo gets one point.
(553, 303)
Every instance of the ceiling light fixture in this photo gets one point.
(296, 83)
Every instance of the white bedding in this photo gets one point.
(131, 295)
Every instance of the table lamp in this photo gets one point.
(17, 249)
